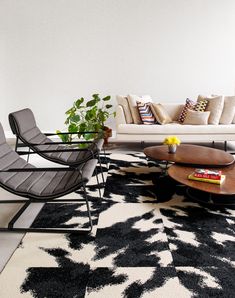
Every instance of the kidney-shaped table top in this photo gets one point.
(180, 173)
(191, 155)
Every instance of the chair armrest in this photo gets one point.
(30, 170)
(120, 116)
(53, 151)
(57, 143)
(68, 133)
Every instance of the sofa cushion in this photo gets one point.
(215, 106)
(196, 117)
(160, 113)
(122, 101)
(175, 129)
(173, 110)
(146, 114)
(189, 104)
(228, 112)
(132, 101)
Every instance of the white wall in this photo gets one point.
(54, 51)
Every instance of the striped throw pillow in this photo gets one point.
(145, 112)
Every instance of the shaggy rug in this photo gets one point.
(143, 244)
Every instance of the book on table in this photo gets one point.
(205, 175)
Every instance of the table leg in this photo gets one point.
(209, 198)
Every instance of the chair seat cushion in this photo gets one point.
(72, 158)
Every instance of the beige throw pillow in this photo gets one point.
(196, 118)
(122, 101)
(132, 101)
(215, 106)
(160, 113)
(228, 112)
(201, 97)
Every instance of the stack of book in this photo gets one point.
(205, 175)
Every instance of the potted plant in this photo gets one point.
(172, 142)
(89, 116)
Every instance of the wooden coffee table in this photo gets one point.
(190, 155)
(180, 174)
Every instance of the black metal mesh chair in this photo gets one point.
(40, 184)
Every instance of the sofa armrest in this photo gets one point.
(120, 116)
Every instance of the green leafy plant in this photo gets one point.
(87, 116)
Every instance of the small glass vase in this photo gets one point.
(172, 148)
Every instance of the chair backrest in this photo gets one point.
(7, 155)
(24, 126)
(10, 159)
(2, 137)
(22, 121)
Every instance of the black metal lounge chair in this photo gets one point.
(40, 184)
(24, 126)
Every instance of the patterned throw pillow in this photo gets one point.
(190, 104)
(132, 101)
(145, 112)
(201, 105)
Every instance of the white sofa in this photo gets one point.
(157, 133)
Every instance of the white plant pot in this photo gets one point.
(172, 148)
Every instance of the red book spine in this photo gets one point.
(207, 176)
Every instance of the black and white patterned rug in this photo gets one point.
(142, 245)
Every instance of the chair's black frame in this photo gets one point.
(40, 199)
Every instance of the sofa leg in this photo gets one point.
(225, 145)
(213, 144)
(142, 144)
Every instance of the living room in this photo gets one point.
(151, 237)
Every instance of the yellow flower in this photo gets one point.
(172, 140)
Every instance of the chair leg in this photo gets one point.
(16, 147)
(98, 183)
(11, 228)
(16, 144)
(225, 145)
(17, 215)
(28, 156)
(88, 208)
(101, 170)
(105, 157)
